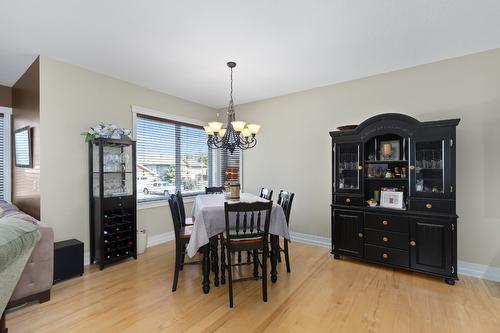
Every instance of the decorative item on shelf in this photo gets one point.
(376, 195)
(107, 131)
(236, 134)
(372, 202)
(389, 150)
(378, 172)
(397, 172)
(403, 172)
(371, 157)
(391, 199)
(388, 174)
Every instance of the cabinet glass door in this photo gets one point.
(348, 167)
(429, 166)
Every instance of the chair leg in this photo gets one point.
(177, 266)
(183, 257)
(222, 264)
(264, 275)
(255, 263)
(239, 257)
(287, 258)
(230, 278)
(249, 256)
(279, 250)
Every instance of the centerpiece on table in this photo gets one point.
(108, 131)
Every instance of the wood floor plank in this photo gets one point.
(320, 295)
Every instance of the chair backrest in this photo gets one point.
(182, 210)
(174, 210)
(251, 219)
(214, 189)
(285, 200)
(266, 193)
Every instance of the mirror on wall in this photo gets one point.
(22, 148)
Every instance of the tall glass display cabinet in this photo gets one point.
(113, 201)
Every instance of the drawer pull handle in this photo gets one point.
(385, 255)
(348, 200)
(385, 239)
(360, 234)
(385, 222)
(360, 167)
(412, 167)
(413, 243)
(428, 206)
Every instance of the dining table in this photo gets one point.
(209, 221)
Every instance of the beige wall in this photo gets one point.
(71, 100)
(294, 146)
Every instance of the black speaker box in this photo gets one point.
(68, 259)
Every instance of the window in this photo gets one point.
(171, 156)
(5, 153)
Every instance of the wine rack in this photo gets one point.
(113, 196)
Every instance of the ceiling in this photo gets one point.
(281, 46)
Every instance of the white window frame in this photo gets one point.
(7, 114)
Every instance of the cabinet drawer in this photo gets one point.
(387, 238)
(348, 200)
(119, 202)
(387, 255)
(431, 205)
(386, 222)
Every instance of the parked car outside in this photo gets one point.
(159, 188)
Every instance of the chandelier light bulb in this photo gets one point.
(209, 130)
(253, 128)
(215, 125)
(246, 132)
(238, 126)
(222, 132)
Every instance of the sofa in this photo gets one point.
(17, 241)
(38, 274)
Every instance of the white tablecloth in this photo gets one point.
(209, 219)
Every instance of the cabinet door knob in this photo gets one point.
(347, 200)
(360, 167)
(385, 222)
(412, 167)
(413, 243)
(428, 206)
(360, 234)
(385, 239)
(385, 255)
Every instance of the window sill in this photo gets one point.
(160, 203)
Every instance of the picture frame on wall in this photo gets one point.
(391, 199)
(389, 150)
(23, 153)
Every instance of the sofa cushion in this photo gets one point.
(16, 238)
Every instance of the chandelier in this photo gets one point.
(235, 134)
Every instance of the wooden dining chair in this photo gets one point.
(249, 233)
(214, 190)
(182, 236)
(182, 210)
(266, 193)
(285, 200)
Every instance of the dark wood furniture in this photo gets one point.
(214, 190)
(113, 201)
(249, 233)
(266, 193)
(182, 210)
(285, 200)
(182, 236)
(68, 259)
(420, 163)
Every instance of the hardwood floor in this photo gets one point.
(320, 294)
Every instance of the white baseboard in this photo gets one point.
(160, 238)
(464, 268)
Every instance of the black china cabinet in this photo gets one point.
(393, 194)
(113, 201)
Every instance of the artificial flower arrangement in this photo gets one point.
(107, 131)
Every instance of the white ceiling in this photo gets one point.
(281, 46)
